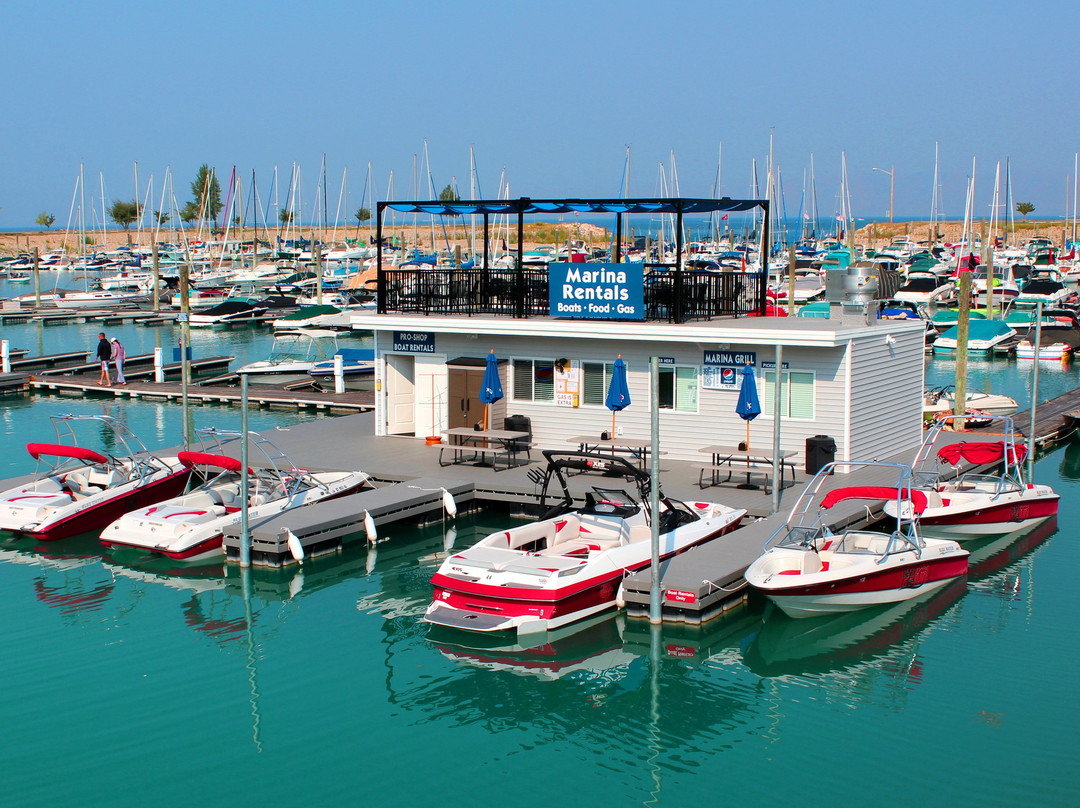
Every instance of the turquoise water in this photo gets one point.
(320, 686)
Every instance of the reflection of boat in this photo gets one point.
(82, 490)
(813, 570)
(835, 641)
(976, 505)
(190, 527)
(292, 355)
(587, 648)
(568, 565)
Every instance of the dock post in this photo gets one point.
(245, 535)
(339, 374)
(5, 356)
(654, 490)
(159, 365)
(157, 275)
(37, 280)
(1034, 395)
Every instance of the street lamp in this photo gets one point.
(892, 179)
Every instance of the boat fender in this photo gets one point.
(295, 547)
(620, 596)
(369, 528)
(448, 503)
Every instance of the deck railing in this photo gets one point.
(674, 296)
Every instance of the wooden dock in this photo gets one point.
(1055, 420)
(258, 395)
(142, 366)
(14, 383)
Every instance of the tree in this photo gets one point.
(162, 216)
(362, 214)
(285, 215)
(449, 194)
(206, 187)
(1024, 208)
(189, 213)
(124, 213)
(45, 219)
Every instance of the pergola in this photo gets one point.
(526, 206)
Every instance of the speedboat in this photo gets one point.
(1042, 288)
(227, 312)
(569, 565)
(292, 355)
(357, 366)
(942, 400)
(983, 337)
(814, 568)
(190, 527)
(81, 490)
(1059, 337)
(972, 506)
(925, 289)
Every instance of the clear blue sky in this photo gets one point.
(552, 91)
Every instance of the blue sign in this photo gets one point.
(177, 356)
(597, 291)
(414, 342)
(731, 358)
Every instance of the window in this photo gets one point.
(595, 380)
(796, 393)
(678, 389)
(534, 380)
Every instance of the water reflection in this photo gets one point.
(1070, 461)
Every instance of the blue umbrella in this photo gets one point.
(747, 406)
(491, 386)
(618, 394)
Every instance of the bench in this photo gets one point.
(755, 469)
(459, 451)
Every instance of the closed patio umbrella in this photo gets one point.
(748, 408)
(618, 394)
(491, 386)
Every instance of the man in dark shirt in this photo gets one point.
(104, 354)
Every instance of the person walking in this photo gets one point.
(118, 356)
(104, 354)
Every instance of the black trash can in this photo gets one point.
(519, 423)
(820, 451)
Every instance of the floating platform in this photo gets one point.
(141, 366)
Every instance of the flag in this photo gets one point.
(806, 216)
(724, 217)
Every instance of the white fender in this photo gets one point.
(295, 547)
(448, 503)
(369, 528)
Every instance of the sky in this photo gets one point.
(548, 94)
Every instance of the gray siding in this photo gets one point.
(886, 394)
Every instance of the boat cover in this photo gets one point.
(980, 452)
(190, 459)
(918, 498)
(36, 450)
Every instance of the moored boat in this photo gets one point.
(570, 564)
(81, 490)
(811, 568)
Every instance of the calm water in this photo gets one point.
(319, 686)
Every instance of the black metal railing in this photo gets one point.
(675, 296)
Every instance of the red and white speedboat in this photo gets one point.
(190, 527)
(815, 569)
(975, 505)
(570, 564)
(81, 490)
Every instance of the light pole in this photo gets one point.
(892, 186)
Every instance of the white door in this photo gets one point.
(400, 388)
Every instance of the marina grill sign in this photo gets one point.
(596, 291)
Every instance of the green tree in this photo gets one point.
(162, 216)
(285, 215)
(1024, 208)
(189, 213)
(362, 214)
(45, 219)
(206, 187)
(449, 195)
(124, 213)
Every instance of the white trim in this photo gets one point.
(813, 398)
(846, 453)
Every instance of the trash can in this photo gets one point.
(519, 423)
(820, 451)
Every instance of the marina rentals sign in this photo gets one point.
(597, 291)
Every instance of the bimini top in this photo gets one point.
(918, 498)
(525, 205)
(190, 459)
(36, 450)
(981, 453)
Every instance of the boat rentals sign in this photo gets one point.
(597, 291)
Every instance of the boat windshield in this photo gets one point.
(609, 502)
(865, 542)
(301, 347)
